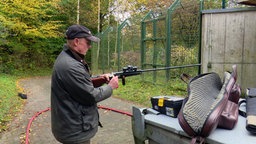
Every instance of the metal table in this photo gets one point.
(148, 125)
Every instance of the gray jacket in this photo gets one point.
(74, 112)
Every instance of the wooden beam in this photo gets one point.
(247, 2)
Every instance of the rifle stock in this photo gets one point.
(98, 81)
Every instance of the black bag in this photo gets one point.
(207, 98)
(250, 113)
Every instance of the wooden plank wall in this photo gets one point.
(229, 38)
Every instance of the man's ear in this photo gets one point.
(76, 41)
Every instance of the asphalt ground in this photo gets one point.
(116, 127)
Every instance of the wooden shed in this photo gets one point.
(228, 38)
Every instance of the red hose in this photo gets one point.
(115, 110)
(30, 122)
(38, 113)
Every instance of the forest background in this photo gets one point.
(32, 31)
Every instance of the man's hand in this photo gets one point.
(100, 80)
(113, 82)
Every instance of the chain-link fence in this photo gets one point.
(172, 38)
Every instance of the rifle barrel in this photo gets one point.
(167, 68)
(139, 71)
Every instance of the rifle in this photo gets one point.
(127, 71)
(132, 71)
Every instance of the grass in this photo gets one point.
(10, 103)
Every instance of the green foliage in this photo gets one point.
(213, 4)
(88, 13)
(25, 29)
(67, 11)
(29, 19)
(41, 55)
(182, 56)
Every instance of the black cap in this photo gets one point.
(79, 31)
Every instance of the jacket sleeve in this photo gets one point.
(81, 88)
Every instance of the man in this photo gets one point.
(74, 98)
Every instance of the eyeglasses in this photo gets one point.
(88, 42)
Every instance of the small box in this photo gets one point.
(168, 105)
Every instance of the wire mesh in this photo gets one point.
(182, 19)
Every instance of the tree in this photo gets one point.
(33, 18)
(26, 25)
